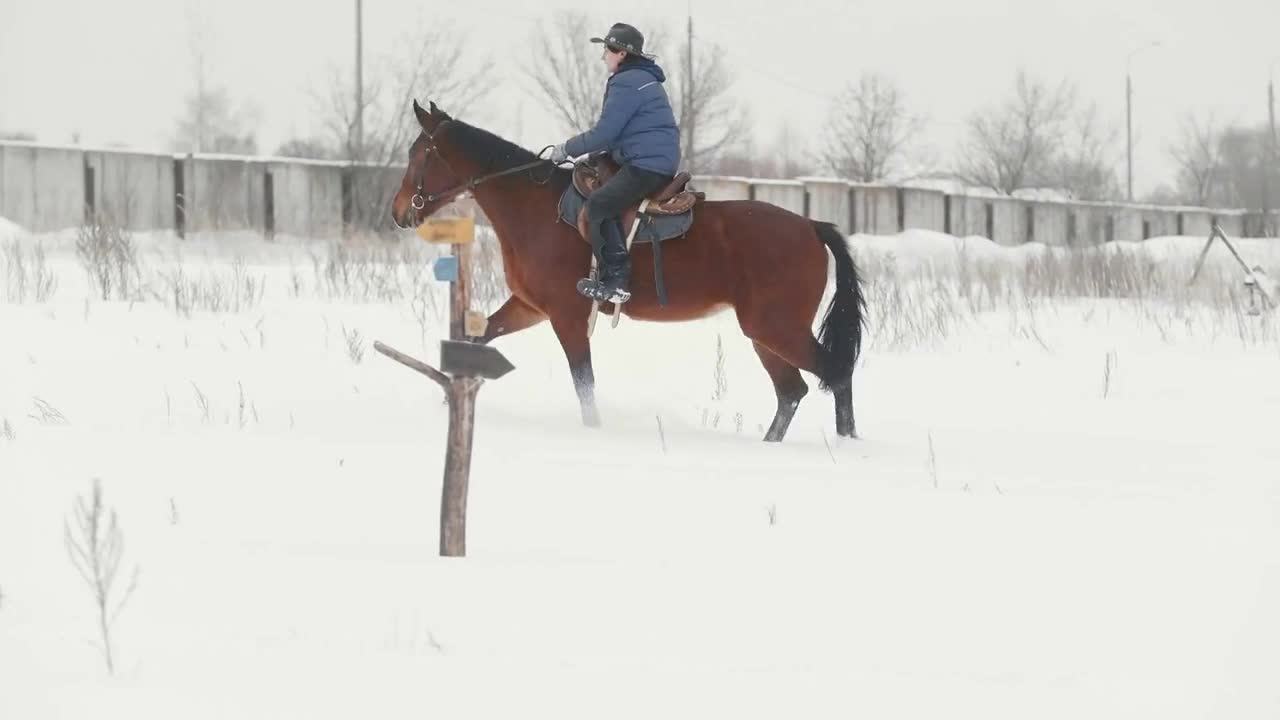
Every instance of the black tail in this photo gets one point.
(840, 336)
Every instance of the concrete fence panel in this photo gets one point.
(1050, 223)
(923, 209)
(134, 190)
(42, 188)
(786, 194)
(875, 209)
(49, 188)
(719, 187)
(307, 199)
(829, 201)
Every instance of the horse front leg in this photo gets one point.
(514, 315)
(572, 333)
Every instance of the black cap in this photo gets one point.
(624, 37)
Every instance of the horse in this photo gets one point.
(766, 263)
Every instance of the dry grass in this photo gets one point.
(922, 305)
(109, 256)
(26, 274)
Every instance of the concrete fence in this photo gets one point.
(47, 188)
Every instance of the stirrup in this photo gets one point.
(596, 290)
(586, 286)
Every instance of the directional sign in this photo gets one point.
(446, 268)
(476, 323)
(448, 230)
(473, 360)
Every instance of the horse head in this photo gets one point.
(427, 176)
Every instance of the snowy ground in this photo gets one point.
(1065, 503)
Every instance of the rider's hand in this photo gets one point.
(558, 154)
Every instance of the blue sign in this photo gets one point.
(446, 268)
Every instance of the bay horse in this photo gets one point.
(765, 262)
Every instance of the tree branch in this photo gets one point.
(413, 363)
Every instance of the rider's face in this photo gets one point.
(612, 58)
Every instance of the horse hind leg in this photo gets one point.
(841, 389)
(844, 409)
(789, 387)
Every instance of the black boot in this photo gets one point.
(615, 267)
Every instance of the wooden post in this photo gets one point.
(457, 466)
(460, 292)
(462, 411)
(467, 366)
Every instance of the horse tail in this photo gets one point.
(840, 335)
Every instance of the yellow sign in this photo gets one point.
(476, 323)
(448, 230)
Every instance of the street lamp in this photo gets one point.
(1128, 107)
(1271, 145)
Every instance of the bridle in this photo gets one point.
(419, 201)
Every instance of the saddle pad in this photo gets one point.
(653, 228)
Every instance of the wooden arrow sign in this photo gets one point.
(467, 359)
(450, 230)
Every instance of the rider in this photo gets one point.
(638, 128)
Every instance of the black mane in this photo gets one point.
(494, 154)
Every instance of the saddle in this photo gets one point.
(663, 215)
(673, 199)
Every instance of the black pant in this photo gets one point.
(604, 208)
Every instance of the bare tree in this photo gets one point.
(429, 62)
(1197, 152)
(710, 119)
(1012, 146)
(566, 69)
(868, 130)
(1246, 181)
(208, 122)
(308, 147)
(784, 156)
(1085, 165)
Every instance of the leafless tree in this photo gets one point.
(566, 69)
(429, 62)
(308, 147)
(784, 156)
(1084, 167)
(208, 122)
(710, 119)
(1246, 181)
(868, 130)
(1198, 154)
(1012, 146)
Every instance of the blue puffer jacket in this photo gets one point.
(636, 124)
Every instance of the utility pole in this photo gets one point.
(357, 142)
(1128, 123)
(1128, 110)
(1268, 226)
(690, 122)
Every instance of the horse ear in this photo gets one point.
(421, 114)
(434, 110)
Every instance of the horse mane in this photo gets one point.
(495, 154)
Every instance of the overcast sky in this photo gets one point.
(116, 70)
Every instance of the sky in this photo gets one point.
(116, 72)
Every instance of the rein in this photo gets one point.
(419, 201)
